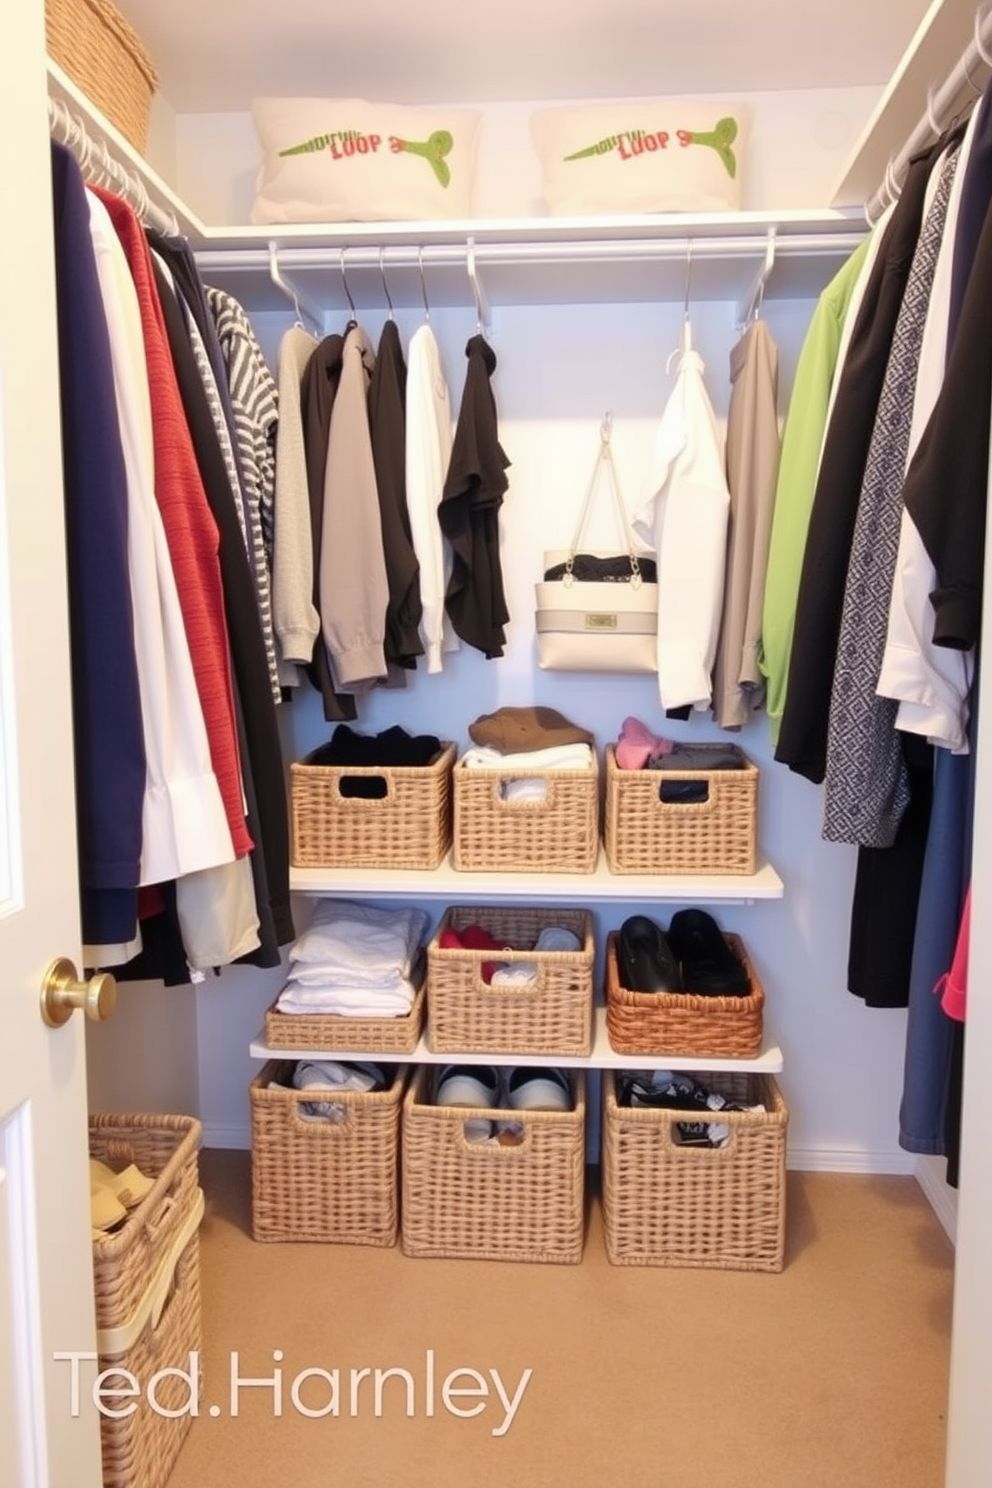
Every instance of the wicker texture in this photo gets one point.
(550, 1015)
(683, 1022)
(645, 834)
(322, 1031)
(470, 1200)
(559, 834)
(667, 1204)
(96, 47)
(140, 1450)
(164, 1148)
(409, 827)
(323, 1180)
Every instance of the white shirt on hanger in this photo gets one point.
(429, 436)
(684, 519)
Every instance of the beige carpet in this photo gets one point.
(832, 1374)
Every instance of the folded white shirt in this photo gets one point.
(346, 1002)
(560, 757)
(372, 943)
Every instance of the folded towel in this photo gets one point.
(372, 942)
(561, 757)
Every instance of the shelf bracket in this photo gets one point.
(750, 306)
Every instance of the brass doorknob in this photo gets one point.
(62, 993)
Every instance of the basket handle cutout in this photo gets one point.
(319, 1126)
(363, 787)
(685, 1151)
(490, 1150)
(155, 1221)
(684, 792)
(526, 803)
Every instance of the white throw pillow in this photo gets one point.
(347, 160)
(654, 155)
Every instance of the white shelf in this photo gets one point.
(769, 1061)
(601, 886)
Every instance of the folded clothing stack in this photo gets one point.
(667, 1090)
(393, 748)
(637, 748)
(528, 738)
(514, 973)
(356, 962)
(333, 1075)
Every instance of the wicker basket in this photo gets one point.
(683, 1022)
(559, 834)
(645, 833)
(476, 1201)
(323, 1180)
(323, 1031)
(667, 1204)
(140, 1450)
(550, 1015)
(408, 827)
(147, 1284)
(97, 48)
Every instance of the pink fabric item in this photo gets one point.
(472, 938)
(952, 989)
(637, 745)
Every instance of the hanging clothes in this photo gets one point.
(683, 519)
(387, 420)
(806, 424)
(110, 763)
(294, 614)
(429, 438)
(752, 469)
(473, 493)
(184, 827)
(867, 782)
(803, 733)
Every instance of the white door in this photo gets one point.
(46, 1279)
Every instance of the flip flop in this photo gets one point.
(129, 1187)
(106, 1210)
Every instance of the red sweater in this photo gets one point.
(190, 529)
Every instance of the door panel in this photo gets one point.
(46, 1278)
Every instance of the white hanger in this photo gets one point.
(980, 18)
(685, 340)
(300, 305)
(482, 316)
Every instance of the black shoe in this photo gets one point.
(645, 959)
(709, 966)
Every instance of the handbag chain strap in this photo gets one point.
(605, 457)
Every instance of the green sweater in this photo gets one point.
(805, 426)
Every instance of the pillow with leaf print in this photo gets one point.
(348, 160)
(657, 155)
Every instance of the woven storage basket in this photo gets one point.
(646, 834)
(550, 1015)
(164, 1148)
(471, 1200)
(559, 834)
(324, 1180)
(323, 1031)
(408, 827)
(683, 1022)
(667, 1204)
(96, 47)
(140, 1450)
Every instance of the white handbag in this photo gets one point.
(598, 612)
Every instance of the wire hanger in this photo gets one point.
(347, 291)
(292, 294)
(423, 284)
(685, 340)
(385, 286)
(481, 313)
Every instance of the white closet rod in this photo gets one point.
(100, 168)
(968, 75)
(411, 256)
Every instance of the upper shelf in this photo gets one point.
(519, 261)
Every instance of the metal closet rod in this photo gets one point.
(941, 104)
(100, 168)
(522, 252)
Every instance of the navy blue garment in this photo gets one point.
(106, 701)
(928, 1112)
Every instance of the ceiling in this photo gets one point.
(215, 55)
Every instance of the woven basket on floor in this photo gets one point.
(683, 1022)
(667, 1204)
(471, 1200)
(645, 833)
(559, 834)
(409, 826)
(324, 1031)
(550, 1015)
(104, 56)
(324, 1180)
